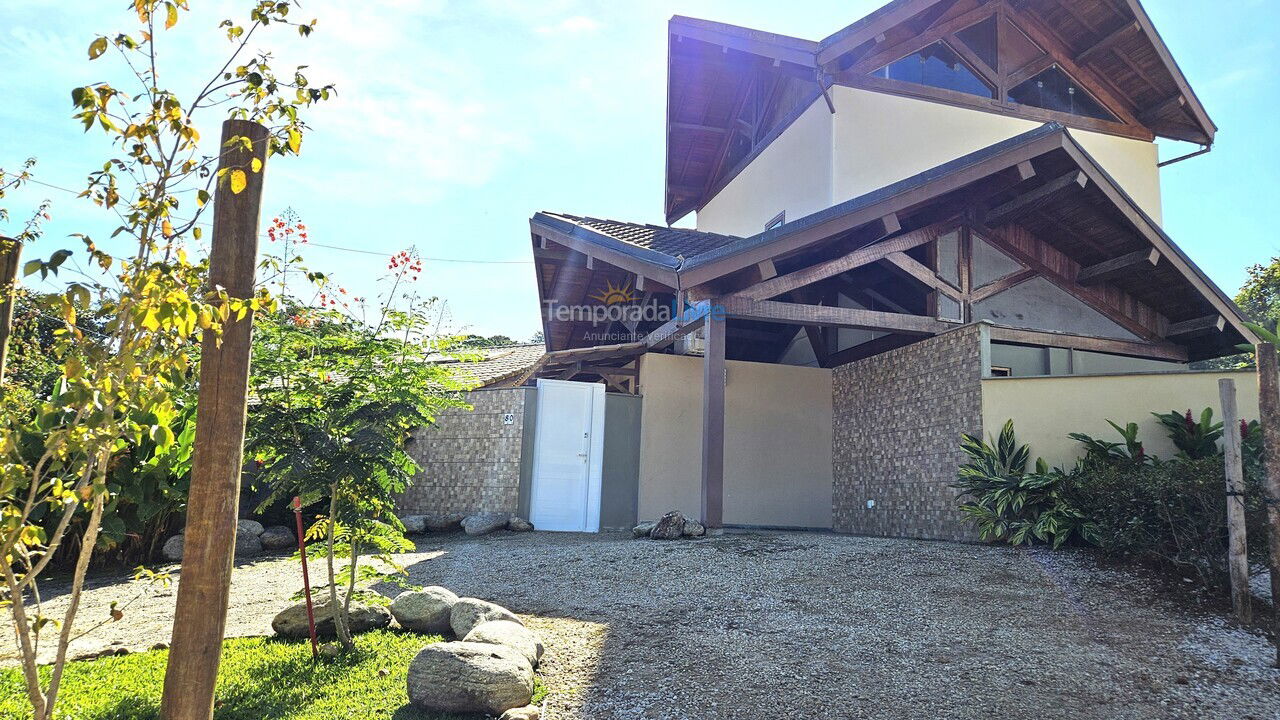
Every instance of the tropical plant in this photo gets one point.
(58, 458)
(337, 395)
(1194, 439)
(1010, 504)
(1130, 452)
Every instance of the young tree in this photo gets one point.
(58, 457)
(338, 390)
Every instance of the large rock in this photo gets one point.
(693, 528)
(643, 529)
(441, 522)
(248, 544)
(172, 549)
(292, 621)
(424, 611)
(513, 635)
(414, 524)
(464, 677)
(277, 538)
(519, 524)
(470, 612)
(482, 523)
(669, 527)
(249, 526)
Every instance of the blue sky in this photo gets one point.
(456, 120)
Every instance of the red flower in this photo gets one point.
(1191, 424)
(1244, 429)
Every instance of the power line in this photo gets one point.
(360, 251)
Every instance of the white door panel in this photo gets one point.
(568, 460)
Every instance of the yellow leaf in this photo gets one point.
(238, 182)
(172, 18)
(295, 140)
(97, 47)
(256, 165)
(167, 228)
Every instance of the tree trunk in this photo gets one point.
(339, 610)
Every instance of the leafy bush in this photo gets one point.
(1010, 504)
(1129, 453)
(1169, 513)
(1194, 440)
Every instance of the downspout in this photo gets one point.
(1203, 149)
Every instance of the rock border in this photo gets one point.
(671, 526)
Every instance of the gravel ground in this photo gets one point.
(811, 625)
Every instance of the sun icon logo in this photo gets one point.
(614, 295)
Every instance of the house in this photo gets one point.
(940, 217)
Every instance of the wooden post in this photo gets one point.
(201, 614)
(10, 259)
(1269, 410)
(1237, 549)
(713, 382)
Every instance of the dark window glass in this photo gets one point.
(1018, 49)
(1053, 90)
(981, 39)
(936, 66)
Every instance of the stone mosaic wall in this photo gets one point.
(470, 459)
(898, 417)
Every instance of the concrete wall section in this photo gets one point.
(898, 420)
(1045, 409)
(881, 138)
(470, 459)
(777, 442)
(792, 174)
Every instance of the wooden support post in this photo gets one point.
(713, 382)
(10, 260)
(1237, 551)
(200, 617)
(1269, 412)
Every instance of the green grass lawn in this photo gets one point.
(259, 678)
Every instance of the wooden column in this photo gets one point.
(1237, 549)
(1269, 410)
(203, 589)
(10, 259)
(713, 382)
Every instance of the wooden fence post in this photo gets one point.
(1237, 547)
(200, 618)
(10, 259)
(1269, 410)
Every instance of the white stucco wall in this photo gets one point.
(792, 174)
(777, 442)
(881, 138)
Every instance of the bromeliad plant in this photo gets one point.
(1194, 439)
(57, 459)
(1011, 504)
(1129, 453)
(337, 397)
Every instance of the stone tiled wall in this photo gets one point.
(471, 460)
(898, 417)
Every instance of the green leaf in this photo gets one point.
(97, 47)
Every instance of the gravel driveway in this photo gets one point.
(812, 625)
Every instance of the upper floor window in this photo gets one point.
(936, 66)
(1054, 90)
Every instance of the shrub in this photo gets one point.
(1194, 440)
(1009, 504)
(1171, 514)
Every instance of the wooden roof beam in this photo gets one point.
(1031, 198)
(1132, 348)
(1108, 270)
(1197, 326)
(913, 269)
(1107, 42)
(830, 316)
(781, 284)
